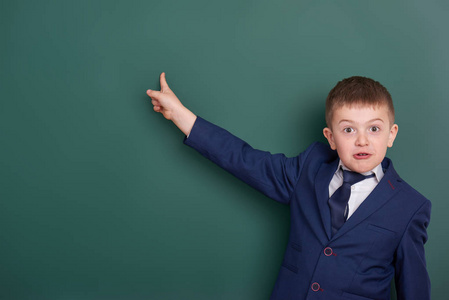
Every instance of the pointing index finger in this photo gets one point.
(153, 94)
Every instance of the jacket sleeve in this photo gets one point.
(273, 174)
(411, 278)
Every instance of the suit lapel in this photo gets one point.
(381, 194)
(322, 180)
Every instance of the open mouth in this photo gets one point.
(362, 155)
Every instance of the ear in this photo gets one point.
(330, 137)
(393, 133)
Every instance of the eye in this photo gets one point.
(374, 129)
(348, 130)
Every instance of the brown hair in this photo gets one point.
(358, 90)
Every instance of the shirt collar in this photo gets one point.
(377, 171)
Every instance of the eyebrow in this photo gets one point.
(370, 121)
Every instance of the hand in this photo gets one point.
(165, 101)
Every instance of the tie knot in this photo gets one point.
(353, 177)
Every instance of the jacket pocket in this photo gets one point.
(291, 257)
(381, 230)
(350, 296)
(384, 243)
(295, 246)
(292, 268)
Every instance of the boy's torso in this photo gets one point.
(383, 237)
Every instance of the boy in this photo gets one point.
(354, 222)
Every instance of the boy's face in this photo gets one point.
(361, 136)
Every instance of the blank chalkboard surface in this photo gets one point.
(100, 199)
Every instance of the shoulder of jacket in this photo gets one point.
(413, 194)
(321, 151)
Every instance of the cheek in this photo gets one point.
(382, 146)
(344, 148)
(344, 142)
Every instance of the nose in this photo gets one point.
(362, 140)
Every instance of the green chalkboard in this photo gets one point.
(100, 199)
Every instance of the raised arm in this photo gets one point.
(166, 103)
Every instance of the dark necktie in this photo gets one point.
(338, 203)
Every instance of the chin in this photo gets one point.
(364, 168)
(360, 167)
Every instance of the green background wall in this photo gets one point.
(99, 198)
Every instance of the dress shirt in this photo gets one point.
(360, 190)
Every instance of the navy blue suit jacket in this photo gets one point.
(384, 238)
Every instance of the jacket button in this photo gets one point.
(315, 287)
(328, 251)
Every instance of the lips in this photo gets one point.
(362, 155)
